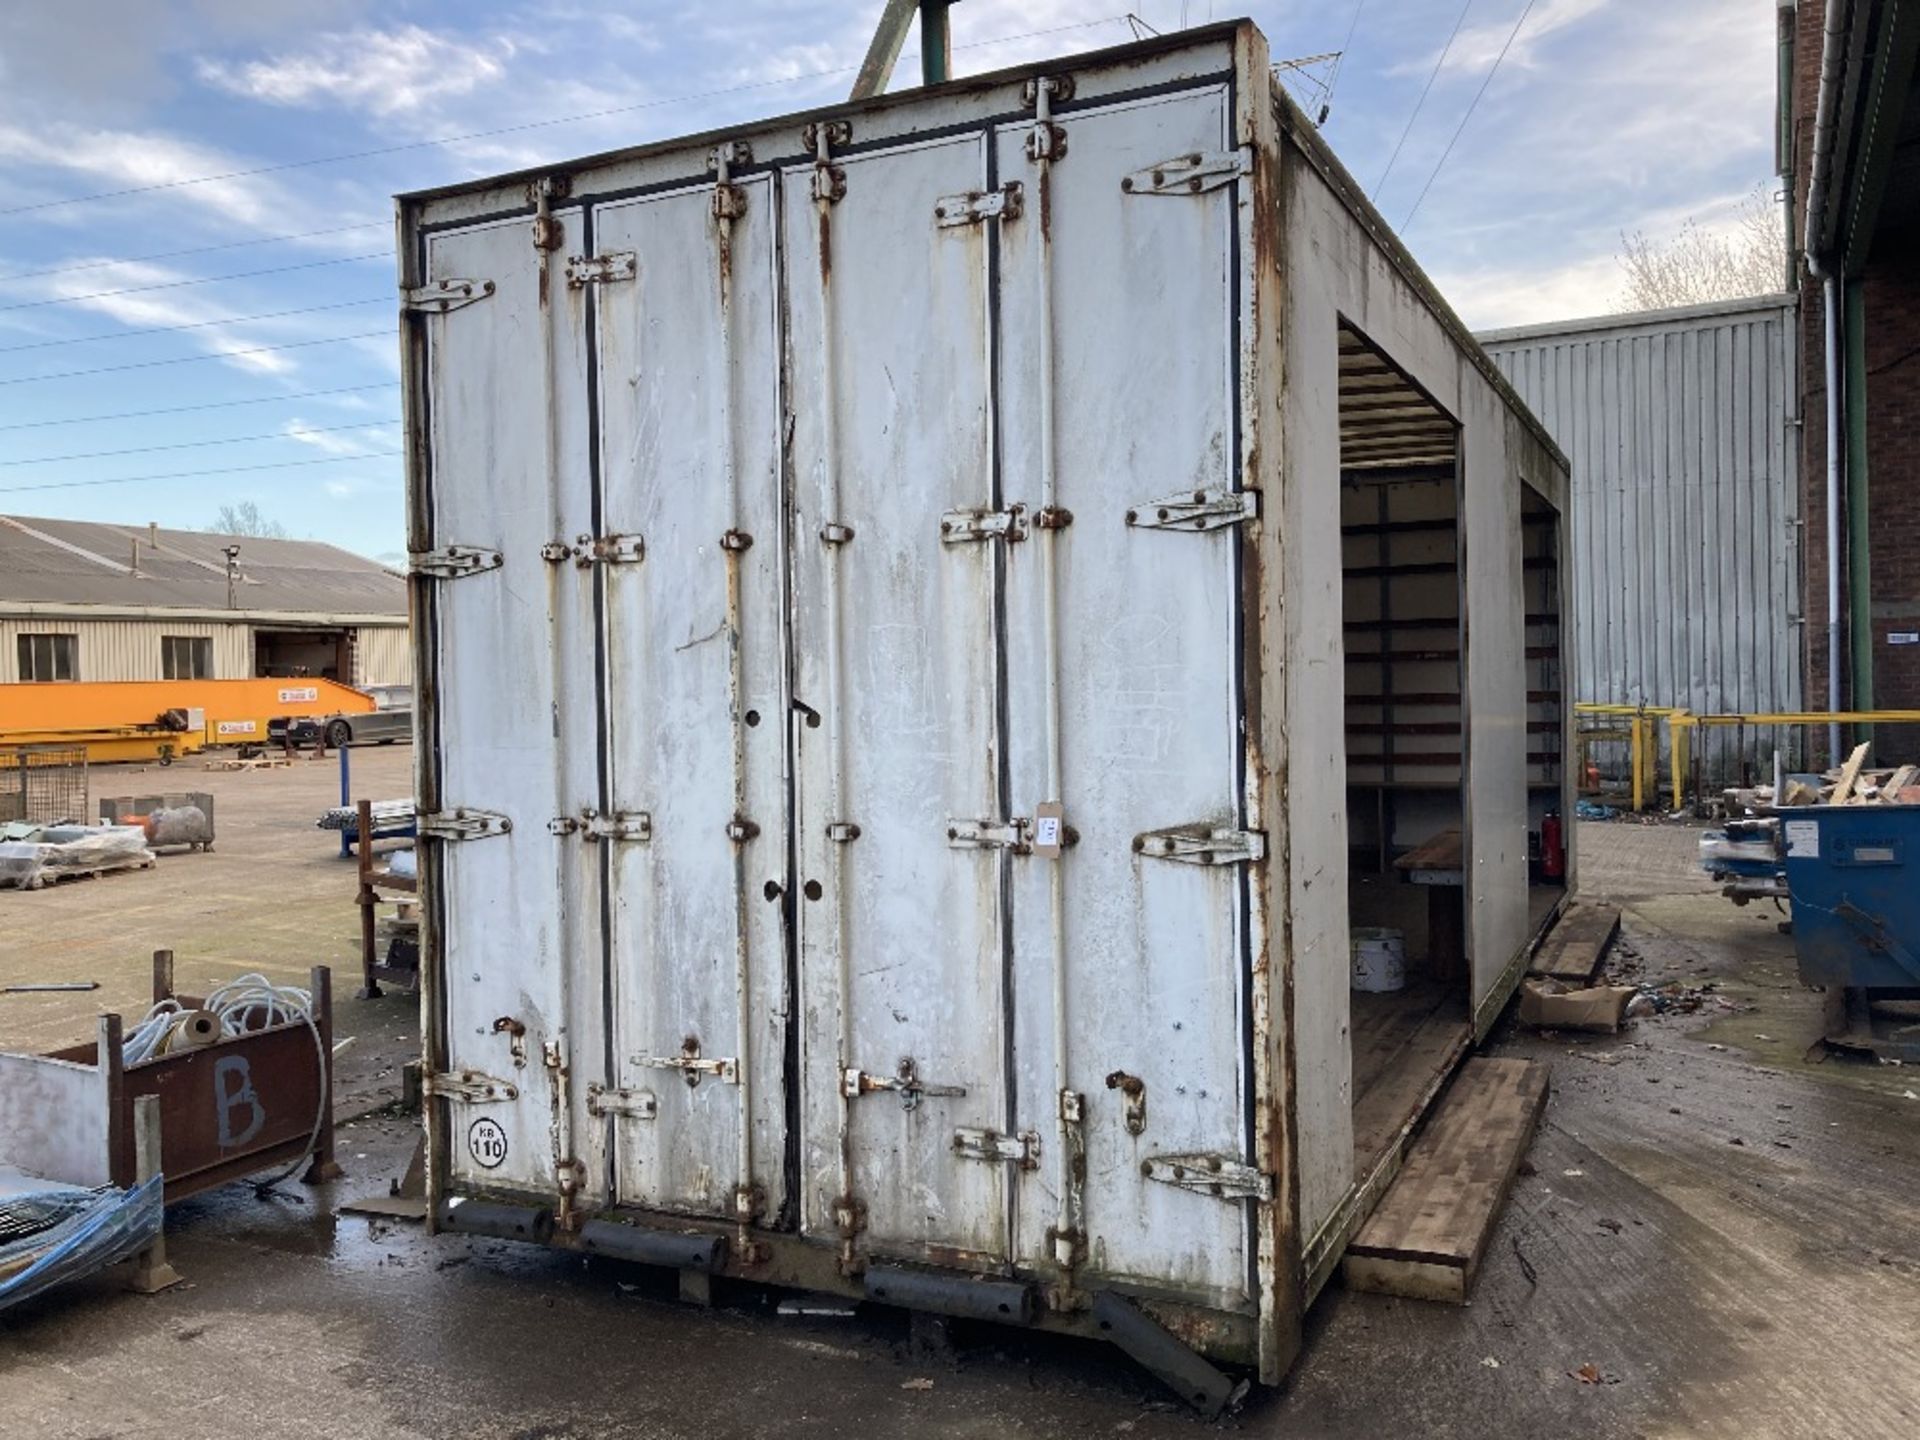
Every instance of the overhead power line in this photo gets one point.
(1420, 104)
(279, 167)
(200, 474)
(197, 250)
(197, 324)
(203, 280)
(1492, 71)
(194, 359)
(302, 432)
(206, 405)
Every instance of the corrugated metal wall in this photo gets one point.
(1686, 539)
(130, 649)
(383, 656)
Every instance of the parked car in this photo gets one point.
(390, 720)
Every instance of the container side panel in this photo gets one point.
(899, 928)
(1143, 303)
(518, 712)
(1317, 250)
(1493, 452)
(689, 392)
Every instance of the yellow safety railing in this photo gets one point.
(1683, 723)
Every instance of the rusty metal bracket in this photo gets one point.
(1201, 845)
(989, 834)
(1023, 1149)
(740, 830)
(1190, 174)
(463, 823)
(592, 826)
(1196, 510)
(451, 562)
(1221, 1176)
(1135, 1091)
(691, 1065)
(960, 527)
(736, 540)
(835, 534)
(1059, 87)
(829, 184)
(975, 207)
(843, 832)
(905, 1082)
(585, 270)
(587, 550)
(604, 1101)
(437, 297)
(839, 132)
(470, 1086)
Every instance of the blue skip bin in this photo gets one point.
(1854, 875)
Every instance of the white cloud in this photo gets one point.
(329, 441)
(379, 72)
(217, 331)
(1478, 46)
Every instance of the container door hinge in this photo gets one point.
(603, 1101)
(592, 826)
(437, 297)
(1196, 510)
(1190, 174)
(1200, 845)
(1220, 1176)
(958, 527)
(974, 1144)
(453, 561)
(977, 206)
(470, 1086)
(989, 834)
(461, 824)
(904, 1082)
(691, 1065)
(602, 269)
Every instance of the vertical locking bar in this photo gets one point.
(734, 558)
(826, 191)
(1067, 1101)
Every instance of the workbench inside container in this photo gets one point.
(937, 616)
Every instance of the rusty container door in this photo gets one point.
(513, 713)
(1118, 398)
(900, 825)
(689, 391)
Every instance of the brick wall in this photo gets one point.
(1892, 301)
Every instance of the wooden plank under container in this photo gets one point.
(1429, 1234)
(1573, 949)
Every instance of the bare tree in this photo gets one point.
(1697, 265)
(246, 519)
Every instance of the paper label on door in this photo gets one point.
(1803, 839)
(1048, 828)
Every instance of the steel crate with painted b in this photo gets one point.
(915, 602)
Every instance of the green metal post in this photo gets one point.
(936, 42)
(1859, 568)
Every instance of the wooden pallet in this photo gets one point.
(1426, 1239)
(1573, 949)
(256, 762)
(53, 875)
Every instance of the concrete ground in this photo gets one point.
(1714, 1236)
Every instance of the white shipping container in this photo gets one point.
(933, 619)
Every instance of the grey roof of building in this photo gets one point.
(78, 562)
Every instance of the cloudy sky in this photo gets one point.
(195, 274)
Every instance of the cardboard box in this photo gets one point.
(1550, 1005)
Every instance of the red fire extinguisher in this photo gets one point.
(1553, 851)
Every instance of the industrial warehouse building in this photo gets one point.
(87, 601)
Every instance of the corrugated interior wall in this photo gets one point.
(130, 649)
(383, 655)
(1685, 516)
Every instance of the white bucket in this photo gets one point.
(1379, 960)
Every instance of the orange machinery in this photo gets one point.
(122, 719)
